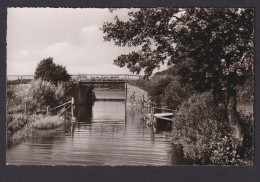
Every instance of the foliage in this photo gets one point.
(245, 92)
(175, 94)
(204, 132)
(157, 90)
(19, 126)
(202, 42)
(16, 130)
(209, 48)
(36, 95)
(48, 122)
(141, 83)
(164, 90)
(49, 71)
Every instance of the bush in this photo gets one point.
(46, 94)
(204, 132)
(167, 91)
(164, 90)
(245, 92)
(48, 122)
(49, 71)
(174, 94)
(36, 96)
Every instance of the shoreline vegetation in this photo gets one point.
(201, 125)
(27, 102)
(24, 116)
(210, 54)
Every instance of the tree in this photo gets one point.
(49, 71)
(211, 48)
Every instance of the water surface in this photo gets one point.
(106, 134)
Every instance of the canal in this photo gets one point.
(107, 133)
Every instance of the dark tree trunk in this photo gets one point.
(232, 111)
(231, 105)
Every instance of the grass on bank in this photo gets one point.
(48, 122)
(20, 126)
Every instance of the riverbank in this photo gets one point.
(20, 126)
(201, 124)
(27, 105)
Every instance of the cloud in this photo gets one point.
(71, 36)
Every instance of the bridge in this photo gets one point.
(140, 96)
(104, 78)
(86, 78)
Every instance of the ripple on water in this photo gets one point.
(113, 136)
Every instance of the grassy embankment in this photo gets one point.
(201, 126)
(24, 100)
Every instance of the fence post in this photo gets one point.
(47, 110)
(72, 107)
(142, 104)
(152, 114)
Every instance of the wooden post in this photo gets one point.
(152, 114)
(72, 107)
(47, 110)
(125, 93)
(142, 105)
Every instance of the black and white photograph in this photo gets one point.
(130, 86)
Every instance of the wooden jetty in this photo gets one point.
(152, 117)
(164, 116)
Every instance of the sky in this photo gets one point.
(71, 36)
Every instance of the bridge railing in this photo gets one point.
(84, 77)
(105, 77)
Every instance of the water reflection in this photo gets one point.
(106, 134)
(83, 113)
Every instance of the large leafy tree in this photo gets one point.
(211, 48)
(49, 71)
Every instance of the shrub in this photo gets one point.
(164, 90)
(36, 95)
(245, 92)
(167, 91)
(47, 94)
(48, 122)
(49, 71)
(203, 130)
(174, 94)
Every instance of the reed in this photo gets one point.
(48, 122)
